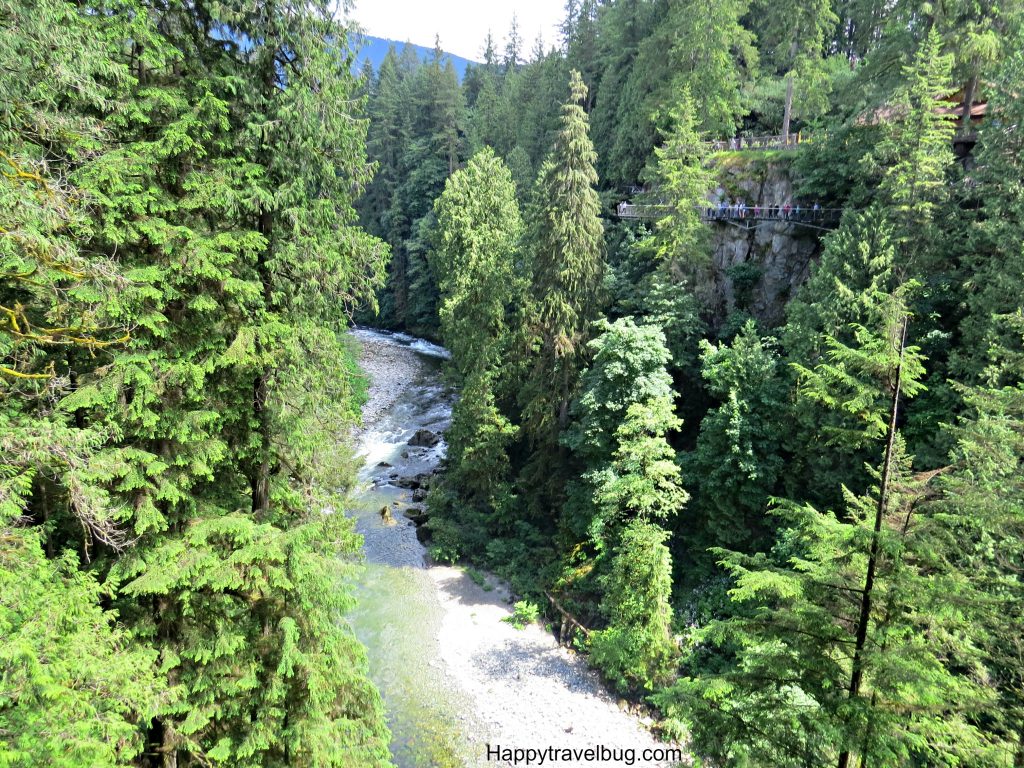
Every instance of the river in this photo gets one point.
(398, 616)
(454, 677)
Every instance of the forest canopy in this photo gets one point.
(741, 394)
(754, 437)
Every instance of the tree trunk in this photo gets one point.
(857, 673)
(170, 752)
(260, 480)
(969, 90)
(788, 111)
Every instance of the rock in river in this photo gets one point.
(424, 438)
(416, 514)
(422, 480)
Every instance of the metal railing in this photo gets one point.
(807, 215)
(781, 141)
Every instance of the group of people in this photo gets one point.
(739, 209)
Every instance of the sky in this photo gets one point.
(462, 24)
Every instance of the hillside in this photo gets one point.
(374, 49)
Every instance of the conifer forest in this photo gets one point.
(732, 294)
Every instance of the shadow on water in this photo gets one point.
(398, 614)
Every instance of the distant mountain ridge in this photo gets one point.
(374, 49)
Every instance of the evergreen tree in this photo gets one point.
(76, 688)
(738, 458)
(915, 164)
(711, 53)
(682, 185)
(622, 27)
(386, 142)
(580, 42)
(858, 265)
(637, 650)
(980, 499)
(792, 34)
(535, 95)
(913, 160)
(513, 46)
(854, 642)
(630, 490)
(478, 232)
(230, 210)
(566, 243)
(993, 268)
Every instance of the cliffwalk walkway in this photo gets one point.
(747, 217)
(737, 143)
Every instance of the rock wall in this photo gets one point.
(757, 269)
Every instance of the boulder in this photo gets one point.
(422, 480)
(424, 438)
(417, 514)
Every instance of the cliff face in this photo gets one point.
(757, 266)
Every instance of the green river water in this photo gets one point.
(398, 614)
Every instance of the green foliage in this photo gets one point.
(630, 489)
(712, 53)
(618, 436)
(76, 688)
(565, 243)
(642, 480)
(524, 613)
(478, 233)
(637, 651)
(844, 293)
(475, 253)
(981, 504)
(417, 138)
(479, 579)
(992, 266)
(880, 633)
(178, 260)
(854, 639)
(914, 157)
(682, 183)
(628, 368)
(738, 458)
(792, 35)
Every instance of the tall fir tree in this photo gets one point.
(616, 515)
(215, 210)
(565, 243)
(479, 227)
(738, 460)
(77, 688)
